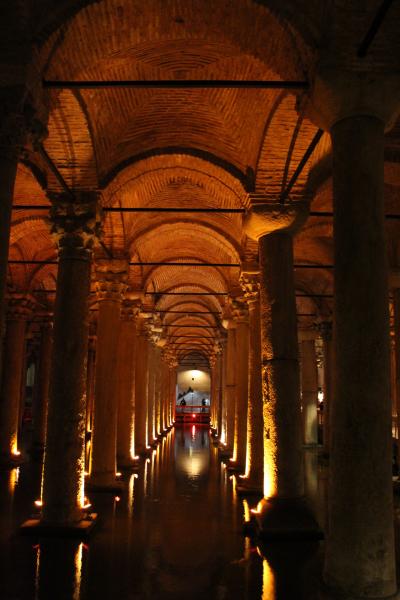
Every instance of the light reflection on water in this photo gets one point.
(175, 534)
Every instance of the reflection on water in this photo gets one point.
(174, 533)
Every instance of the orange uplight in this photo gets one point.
(117, 498)
(118, 474)
(136, 457)
(38, 503)
(16, 453)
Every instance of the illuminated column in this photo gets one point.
(19, 309)
(325, 329)
(41, 393)
(283, 511)
(151, 393)
(75, 225)
(221, 425)
(309, 387)
(396, 311)
(111, 277)
(361, 495)
(253, 480)
(242, 384)
(125, 391)
(230, 387)
(90, 377)
(213, 391)
(158, 390)
(164, 392)
(141, 387)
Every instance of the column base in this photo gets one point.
(286, 519)
(103, 483)
(83, 528)
(11, 461)
(234, 467)
(128, 464)
(244, 487)
(224, 452)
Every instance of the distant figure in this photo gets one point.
(183, 402)
(203, 404)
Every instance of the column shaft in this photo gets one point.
(309, 388)
(126, 393)
(283, 461)
(255, 450)
(41, 396)
(230, 390)
(103, 458)
(141, 390)
(63, 478)
(14, 351)
(242, 394)
(361, 496)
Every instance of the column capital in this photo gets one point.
(338, 94)
(263, 219)
(239, 310)
(130, 309)
(111, 278)
(250, 284)
(75, 222)
(20, 307)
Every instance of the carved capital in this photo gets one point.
(75, 223)
(130, 309)
(263, 219)
(20, 307)
(250, 284)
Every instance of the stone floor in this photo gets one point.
(175, 533)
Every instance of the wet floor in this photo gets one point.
(174, 533)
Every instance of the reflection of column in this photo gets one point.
(76, 225)
(253, 480)
(110, 287)
(309, 388)
(242, 385)
(13, 374)
(230, 388)
(125, 391)
(42, 389)
(283, 511)
(141, 387)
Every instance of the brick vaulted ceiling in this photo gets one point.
(210, 148)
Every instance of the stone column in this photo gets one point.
(151, 393)
(90, 381)
(396, 311)
(125, 391)
(325, 329)
(309, 388)
(242, 385)
(75, 225)
(252, 482)
(19, 309)
(111, 277)
(41, 393)
(362, 395)
(230, 389)
(355, 108)
(141, 388)
(283, 511)
(221, 423)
